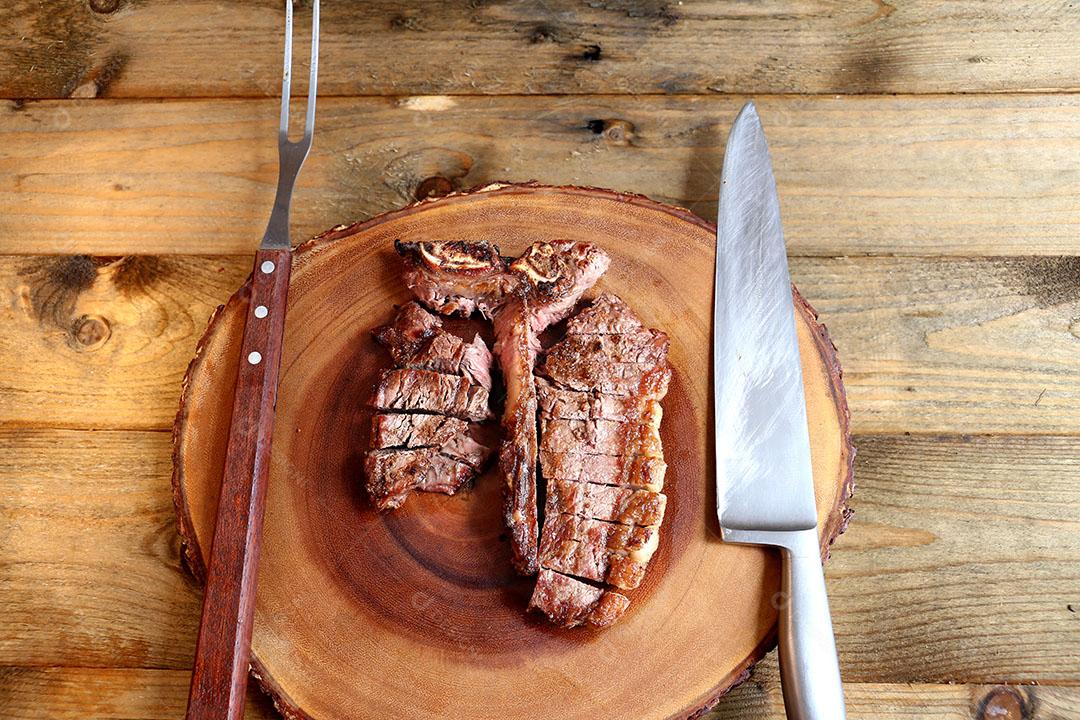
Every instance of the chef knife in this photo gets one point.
(765, 486)
(223, 650)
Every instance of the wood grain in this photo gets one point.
(109, 337)
(430, 588)
(90, 570)
(985, 175)
(124, 694)
(759, 698)
(931, 559)
(954, 345)
(118, 48)
(74, 693)
(964, 560)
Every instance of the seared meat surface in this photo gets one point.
(602, 458)
(423, 436)
(586, 419)
(522, 298)
(570, 602)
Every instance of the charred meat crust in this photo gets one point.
(522, 297)
(570, 602)
(601, 453)
(422, 434)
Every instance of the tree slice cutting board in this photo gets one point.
(417, 613)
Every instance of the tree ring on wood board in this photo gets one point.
(417, 613)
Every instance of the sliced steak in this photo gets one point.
(596, 550)
(410, 390)
(642, 346)
(601, 437)
(393, 474)
(600, 448)
(522, 298)
(570, 602)
(608, 315)
(421, 437)
(629, 471)
(636, 542)
(414, 431)
(557, 402)
(416, 340)
(451, 436)
(411, 328)
(605, 502)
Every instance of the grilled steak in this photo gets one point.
(570, 602)
(408, 389)
(601, 454)
(522, 298)
(589, 414)
(424, 435)
(637, 472)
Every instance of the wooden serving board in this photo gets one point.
(417, 613)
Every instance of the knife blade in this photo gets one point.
(765, 486)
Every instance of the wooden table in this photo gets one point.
(928, 160)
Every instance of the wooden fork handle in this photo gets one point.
(219, 677)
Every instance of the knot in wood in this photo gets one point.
(1004, 703)
(615, 131)
(434, 186)
(105, 7)
(90, 332)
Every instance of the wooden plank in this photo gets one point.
(950, 571)
(118, 48)
(65, 693)
(994, 175)
(970, 345)
(131, 694)
(932, 345)
(90, 556)
(963, 561)
(760, 698)
(109, 338)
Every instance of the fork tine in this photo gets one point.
(286, 76)
(309, 120)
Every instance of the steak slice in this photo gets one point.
(414, 431)
(585, 560)
(604, 502)
(411, 390)
(557, 402)
(411, 327)
(645, 473)
(608, 315)
(642, 346)
(570, 602)
(421, 438)
(450, 436)
(636, 542)
(596, 550)
(393, 474)
(622, 379)
(416, 339)
(601, 437)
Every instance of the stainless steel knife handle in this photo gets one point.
(809, 670)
